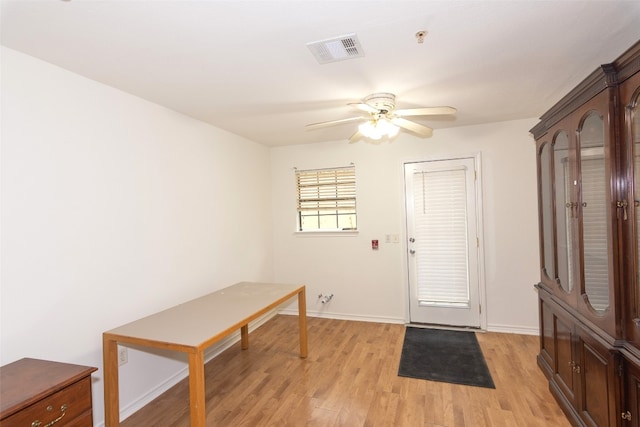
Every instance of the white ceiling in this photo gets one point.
(244, 66)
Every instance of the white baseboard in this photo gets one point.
(508, 329)
(513, 329)
(343, 316)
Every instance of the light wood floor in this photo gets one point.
(350, 379)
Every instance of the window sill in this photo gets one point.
(326, 233)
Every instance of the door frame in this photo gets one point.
(477, 157)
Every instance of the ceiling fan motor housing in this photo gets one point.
(383, 102)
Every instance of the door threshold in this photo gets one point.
(445, 327)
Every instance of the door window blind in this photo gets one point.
(440, 211)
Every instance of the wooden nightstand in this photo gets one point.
(40, 393)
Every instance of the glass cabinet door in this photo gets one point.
(628, 206)
(632, 133)
(579, 185)
(565, 209)
(634, 139)
(593, 208)
(548, 255)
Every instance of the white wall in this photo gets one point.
(114, 208)
(371, 285)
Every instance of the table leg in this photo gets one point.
(302, 320)
(111, 392)
(197, 389)
(244, 337)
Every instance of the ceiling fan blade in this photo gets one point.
(426, 111)
(364, 107)
(414, 127)
(355, 137)
(333, 122)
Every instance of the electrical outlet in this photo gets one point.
(123, 356)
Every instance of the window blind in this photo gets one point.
(326, 198)
(440, 211)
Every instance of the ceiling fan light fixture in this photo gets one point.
(391, 129)
(378, 128)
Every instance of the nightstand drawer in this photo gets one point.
(65, 405)
(40, 393)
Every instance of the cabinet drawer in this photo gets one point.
(66, 405)
(85, 420)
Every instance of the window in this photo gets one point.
(326, 199)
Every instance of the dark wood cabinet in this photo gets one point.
(597, 365)
(582, 368)
(40, 393)
(588, 159)
(632, 393)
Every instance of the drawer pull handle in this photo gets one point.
(37, 423)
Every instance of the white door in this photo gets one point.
(443, 242)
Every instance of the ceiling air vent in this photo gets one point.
(336, 49)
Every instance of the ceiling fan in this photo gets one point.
(380, 118)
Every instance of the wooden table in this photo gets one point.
(191, 328)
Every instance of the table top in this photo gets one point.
(198, 323)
